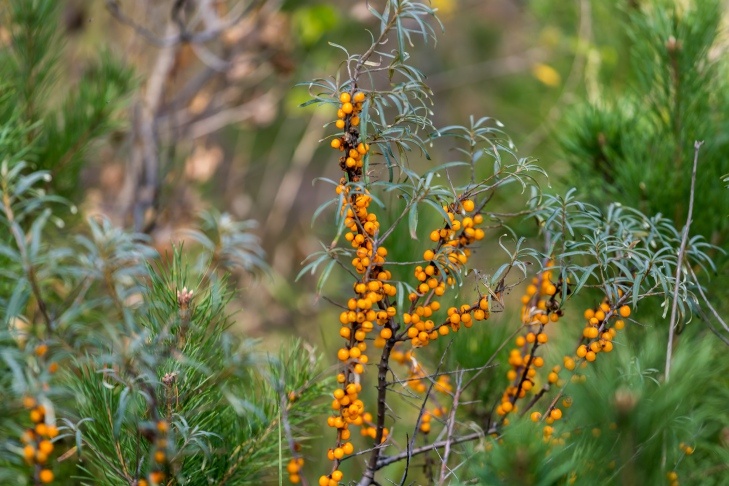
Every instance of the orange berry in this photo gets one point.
(157, 477)
(359, 97)
(163, 426)
(35, 416)
(345, 97)
(468, 205)
(45, 446)
(46, 476)
(28, 452)
(41, 349)
(347, 108)
(41, 429)
(336, 143)
(624, 311)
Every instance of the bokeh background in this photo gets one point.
(231, 134)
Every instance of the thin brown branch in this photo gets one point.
(451, 422)
(368, 476)
(183, 35)
(679, 262)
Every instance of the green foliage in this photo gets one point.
(99, 330)
(60, 128)
(635, 144)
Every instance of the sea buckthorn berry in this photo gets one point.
(347, 108)
(163, 426)
(340, 124)
(590, 356)
(345, 98)
(556, 414)
(35, 416)
(42, 349)
(359, 97)
(619, 324)
(428, 255)
(29, 452)
(45, 446)
(336, 143)
(542, 338)
(535, 416)
(624, 311)
(468, 205)
(45, 476)
(323, 481)
(157, 477)
(337, 475)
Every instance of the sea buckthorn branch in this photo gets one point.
(373, 287)
(540, 307)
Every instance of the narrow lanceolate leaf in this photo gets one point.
(413, 221)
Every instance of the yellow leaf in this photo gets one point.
(546, 75)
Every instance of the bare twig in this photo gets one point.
(182, 34)
(679, 262)
(449, 433)
(711, 307)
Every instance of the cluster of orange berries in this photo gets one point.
(672, 477)
(294, 469)
(450, 252)
(597, 335)
(332, 479)
(38, 440)
(159, 455)
(686, 449)
(460, 231)
(539, 308)
(368, 306)
(352, 159)
(553, 414)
